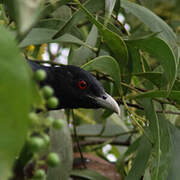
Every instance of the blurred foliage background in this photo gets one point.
(132, 47)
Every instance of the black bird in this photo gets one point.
(75, 87)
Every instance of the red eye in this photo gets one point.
(82, 84)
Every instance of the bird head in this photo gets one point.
(77, 88)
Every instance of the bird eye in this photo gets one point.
(82, 84)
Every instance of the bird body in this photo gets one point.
(75, 88)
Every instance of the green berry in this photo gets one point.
(39, 174)
(47, 91)
(40, 75)
(52, 102)
(53, 159)
(49, 120)
(58, 124)
(33, 117)
(46, 139)
(36, 143)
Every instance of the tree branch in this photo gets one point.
(141, 108)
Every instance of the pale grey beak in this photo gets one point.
(108, 102)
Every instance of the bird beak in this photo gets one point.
(106, 101)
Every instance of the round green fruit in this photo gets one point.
(40, 75)
(52, 102)
(49, 120)
(58, 124)
(46, 139)
(36, 143)
(53, 160)
(33, 118)
(39, 174)
(47, 91)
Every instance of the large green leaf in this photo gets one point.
(115, 43)
(107, 65)
(141, 159)
(131, 150)
(50, 23)
(174, 172)
(155, 23)
(42, 35)
(15, 96)
(134, 58)
(175, 95)
(25, 12)
(51, 7)
(109, 6)
(81, 55)
(163, 53)
(63, 12)
(91, 5)
(160, 137)
(157, 79)
(53, 23)
(165, 150)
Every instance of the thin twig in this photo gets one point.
(77, 141)
(108, 136)
(47, 62)
(168, 112)
(120, 25)
(83, 24)
(141, 108)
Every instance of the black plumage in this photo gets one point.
(75, 87)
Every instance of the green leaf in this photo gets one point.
(159, 133)
(140, 162)
(107, 65)
(155, 23)
(51, 7)
(117, 7)
(176, 86)
(163, 53)
(174, 172)
(115, 43)
(92, 5)
(26, 13)
(109, 6)
(174, 95)
(63, 12)
(88, 174)
(165, 150)
(147, 175)
(134, 58)
(157, 79)
(111, 26)
(50, 23)
(53, 23)
(122, 159)
(15, 99)
(42, 35)
(154, 132)
(81, 55)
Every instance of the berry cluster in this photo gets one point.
(38, 141)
